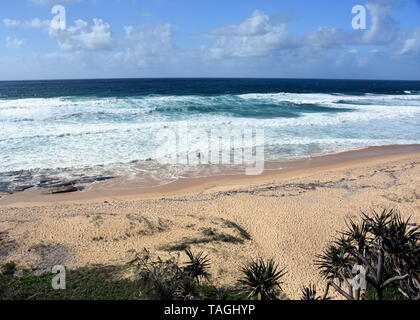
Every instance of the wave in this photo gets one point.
(86, 131)
(329, 99)
(359, 114)
(168, 107)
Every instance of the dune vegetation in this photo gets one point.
(380, 247)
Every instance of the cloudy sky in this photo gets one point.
(209, 38)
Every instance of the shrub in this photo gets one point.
(387, 248)
(261, 279)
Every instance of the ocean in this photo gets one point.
(110, 127)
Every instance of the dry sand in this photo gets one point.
(289, 215)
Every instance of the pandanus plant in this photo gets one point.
(387, 248)
(167, 279)
(197, 266)
(261, 279)
(310, 294)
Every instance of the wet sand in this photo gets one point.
(288, 214)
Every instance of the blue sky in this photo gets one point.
(217, 38)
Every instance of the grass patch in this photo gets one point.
(8, 269)
(175, 247)
(230, 224)
(209, 232)
(212, 237)
(210, 292)
(150, 227)
(390, 293)
(89, 283)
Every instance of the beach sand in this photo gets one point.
(288, 215)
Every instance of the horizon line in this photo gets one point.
(205, 78)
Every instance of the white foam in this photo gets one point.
(330, 99)
(68, 132)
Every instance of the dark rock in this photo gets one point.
(4, 187)
(17, 181)
(12, 173)
(103, 178)
(63, 189)
(57, 185)
(94, 179)
(44, 180)
(20, 188)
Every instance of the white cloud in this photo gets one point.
(260, 36)
(254, 37)
(143, 46)
(411, 44)
(34, 23)
(257, 24)
(37, 23)
(149, 40)
(383, 29)
(11, 23)
(260, 42)
(83, 36)
(53, 1)
(324, 38)
(15, 43)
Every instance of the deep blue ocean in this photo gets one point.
(83, 124)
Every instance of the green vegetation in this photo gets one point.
(170, 280)
(8, 269)
(385, 246)
(93, 283)
(261, 279)
(389, 293)
(197, 265)
(244, 234)
(310, 294)
(210, 236)
(382, 244)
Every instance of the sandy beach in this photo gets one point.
(287, 214)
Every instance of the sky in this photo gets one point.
(209, 38)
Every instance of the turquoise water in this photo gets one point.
(103, 123)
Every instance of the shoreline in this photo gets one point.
(287, 215)
(120, 189)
